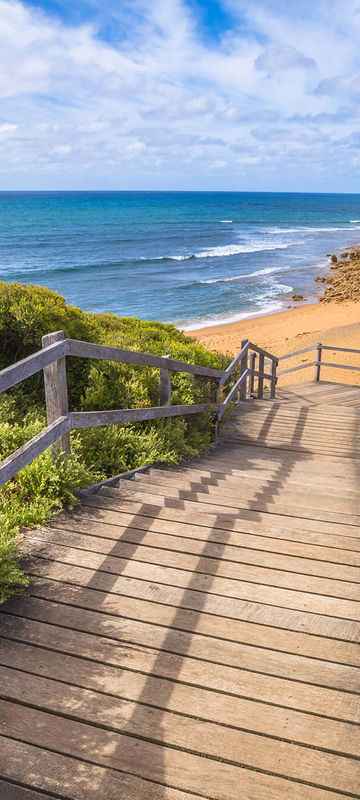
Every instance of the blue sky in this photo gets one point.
(180, 94)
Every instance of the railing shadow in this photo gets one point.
(142, 721)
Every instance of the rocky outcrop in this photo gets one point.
(344, 281)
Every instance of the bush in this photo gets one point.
(49, 483)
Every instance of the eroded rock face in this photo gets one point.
(344, 282)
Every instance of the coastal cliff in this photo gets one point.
(343, 283)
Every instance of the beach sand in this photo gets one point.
(302, 326)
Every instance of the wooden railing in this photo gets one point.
(318, 362)
(246, 360)
(60, 421)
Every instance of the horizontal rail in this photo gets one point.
(262, 374)
(343, 349)
(337, 366)
(23, 369)
(37, 445)
(300, 366)
(92, 419)
(298, 352)
(233, 365)
(100, 351)
(263, 352)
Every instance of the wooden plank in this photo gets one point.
(202, 582)
(99, 351)
(202, 564)
(204, 738)
(91, 419)
(337, 547)
(37, 445)
(215, 504)
(130, 609)
(210, 649)
(301, 503)
(83, 780)
(23, 369)
(222, 606)
(12, 791)
(77, 778)
(56, 395)
(94, 535)
(120, 665)
(275, 492)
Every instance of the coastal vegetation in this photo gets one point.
(49, 484)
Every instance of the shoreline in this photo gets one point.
(304, 324)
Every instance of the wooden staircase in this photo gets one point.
(192, 632)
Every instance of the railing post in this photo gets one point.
(273, 379)
(56, 396)
(165, 385)
(318, 359)
(260, 393)
(243, 367)
(252, 377)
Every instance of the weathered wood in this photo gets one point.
(253, 357)
(342, 349)
(263, 352)
(339, 366)
(230, 369)
(273, 380)
(56, 395)
(91, 419)
(259, 374)
(297, 352)
(300, 366)
(239, 383)
(99, 351)
(37, 445)
(318, 361)
(165, 385)
(260, 391)
(244, 370)
(32, 364)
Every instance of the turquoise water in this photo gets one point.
(193, 258)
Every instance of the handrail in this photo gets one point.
(51, 359)
(318, 363)
(230, 369)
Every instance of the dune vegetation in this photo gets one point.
(49, 484)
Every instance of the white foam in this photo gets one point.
(226, 220)
(309, 229)
(355, 220)
(236, 278)
(267, 303)
(235, 249)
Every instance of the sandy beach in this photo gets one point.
(304, 325)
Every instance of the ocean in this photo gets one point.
(191, 258)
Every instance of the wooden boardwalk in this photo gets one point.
(192, 633)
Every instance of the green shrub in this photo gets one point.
(49, 483)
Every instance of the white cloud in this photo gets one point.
(161, 105)
(277, 59)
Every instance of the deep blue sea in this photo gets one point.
(192, 258)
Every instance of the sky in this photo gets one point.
(240, 95)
